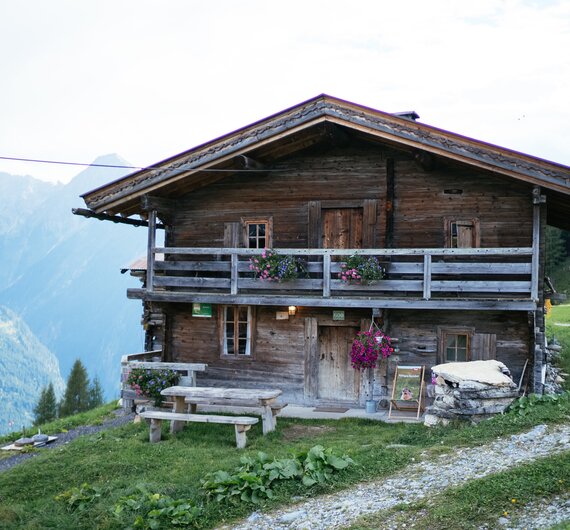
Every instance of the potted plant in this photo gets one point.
(361, 269)
(272, 266)
(150, 382)
(370, 347)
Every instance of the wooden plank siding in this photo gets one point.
(294, 193)
(285, 353)
(285, 195)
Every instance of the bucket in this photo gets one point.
(371, 406)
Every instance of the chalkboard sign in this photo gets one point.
(407, 390)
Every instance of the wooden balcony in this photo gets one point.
(432, 278)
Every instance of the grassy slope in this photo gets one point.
(118, 459)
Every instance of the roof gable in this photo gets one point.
(123, 195)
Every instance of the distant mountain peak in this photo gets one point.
(93, 176)
(111, 159)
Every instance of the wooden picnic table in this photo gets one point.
(242, 397)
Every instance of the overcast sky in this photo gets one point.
(148, 79)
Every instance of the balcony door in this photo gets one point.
(342, 228)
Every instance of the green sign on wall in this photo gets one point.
(202, 310)
(338, 314)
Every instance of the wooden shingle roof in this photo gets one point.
(197, 166)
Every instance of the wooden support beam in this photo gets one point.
(160, 204)
(535, 244)
(113, 218)
(150, 250)
(480, 304)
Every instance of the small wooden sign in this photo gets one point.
(407, 390)
(202, 310)
(338, 314)
(282, 315)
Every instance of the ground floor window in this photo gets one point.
(454, 345)
(237, 330)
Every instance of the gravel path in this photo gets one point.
(121, 417)
(421, 480)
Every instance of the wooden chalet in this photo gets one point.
(458, 225)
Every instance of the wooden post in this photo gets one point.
(535, 243)
(241, 436)
(150, 250)
(327, 276)
(155, 430)
(179, 406)
(267, 419)
(234, 274)
(427, 276)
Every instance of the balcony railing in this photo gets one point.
(420, 274)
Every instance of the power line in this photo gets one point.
(59, 162)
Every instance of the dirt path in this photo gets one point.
(420, 481)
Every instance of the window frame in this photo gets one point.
(448, 223)
(223, 337)
(267, 221)
(444, 332)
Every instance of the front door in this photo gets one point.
(337, 380)
(342, 228)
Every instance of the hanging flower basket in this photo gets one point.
(369, 347)
(361, 269)
(271, 266)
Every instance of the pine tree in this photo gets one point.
(76, 397)
(95, 393)
(555, 248)
(46, 409)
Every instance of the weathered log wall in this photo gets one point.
(278, 359)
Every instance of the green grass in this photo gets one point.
(485, 500)
(117, 460)
(561, 315)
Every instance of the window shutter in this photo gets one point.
(484, 347)
(231, 235)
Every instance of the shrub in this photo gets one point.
(254, 479)
(154, 510)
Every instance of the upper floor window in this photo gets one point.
(237, 330)
(258, 233)
(461, 233)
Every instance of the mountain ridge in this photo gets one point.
(61, 272)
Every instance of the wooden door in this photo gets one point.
(337, 380)
(342, 228)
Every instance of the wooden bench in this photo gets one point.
(242, 423)
(264, 398)
(276, 408)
